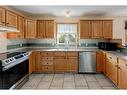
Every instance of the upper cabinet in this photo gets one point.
(85, 29)
(100, 29)
(96, 29)
(11, 19)
(21, 28)
(107, 29)
(30, 29)
(45, 29)
(2, 16)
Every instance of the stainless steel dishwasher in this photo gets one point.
(87, 62)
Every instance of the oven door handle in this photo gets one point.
(15, 63)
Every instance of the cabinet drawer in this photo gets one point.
(111, 58)
(47, 62)
(48, 54)
(47, 68)
(122, 63)
(60, 53)
(72, 54)
(47, 58)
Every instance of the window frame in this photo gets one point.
(76, 35)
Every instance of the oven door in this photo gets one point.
(14, 74)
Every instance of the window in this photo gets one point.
(66, 33)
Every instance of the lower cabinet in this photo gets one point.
(33, 62)
(122, 74)
(100, 62)
(60, 64)
(111, 68)
(53, 62)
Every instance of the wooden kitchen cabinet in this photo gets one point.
(96, 29)
(47, 62)
(20, 27)
(30, 29)
(107, 29)
(11, 19)
(85, 29)
(111, 67)
(122, 74)
(2, 16)
(32, 62)
(45, 28)
(72, 62)
(99, 63)
(60, 64)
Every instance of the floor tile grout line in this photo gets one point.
(86, 81)
(38, 83)
(63, 81)
(51, 81)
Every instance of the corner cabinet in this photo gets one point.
(45, 28)
(2, 16)
(30, 29)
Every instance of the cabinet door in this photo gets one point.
(32, 62)
(21, 28)
(96, 29)
(30, 29)
(41, 29)
(60, 64)
(85, 29)
(122, 78)
(99, 63)
(108, 69)
(107, 29)
(11, 19)
(72, 64)
(114, 73)
(38, 64)
(50, 29)
(111, 71)
(2, 16)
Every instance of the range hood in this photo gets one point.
(8, 29)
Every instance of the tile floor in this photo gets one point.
(68, 81)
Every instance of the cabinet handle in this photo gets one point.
(3, 22)
(47, 67)
(116, 65)
(7, 23)
(126, 65)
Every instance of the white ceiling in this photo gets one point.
(74, 10)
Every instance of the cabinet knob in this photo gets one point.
(110, 57)
(126, 65)
(47, 63)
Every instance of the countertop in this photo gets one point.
(79, 49)
(117, 53)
